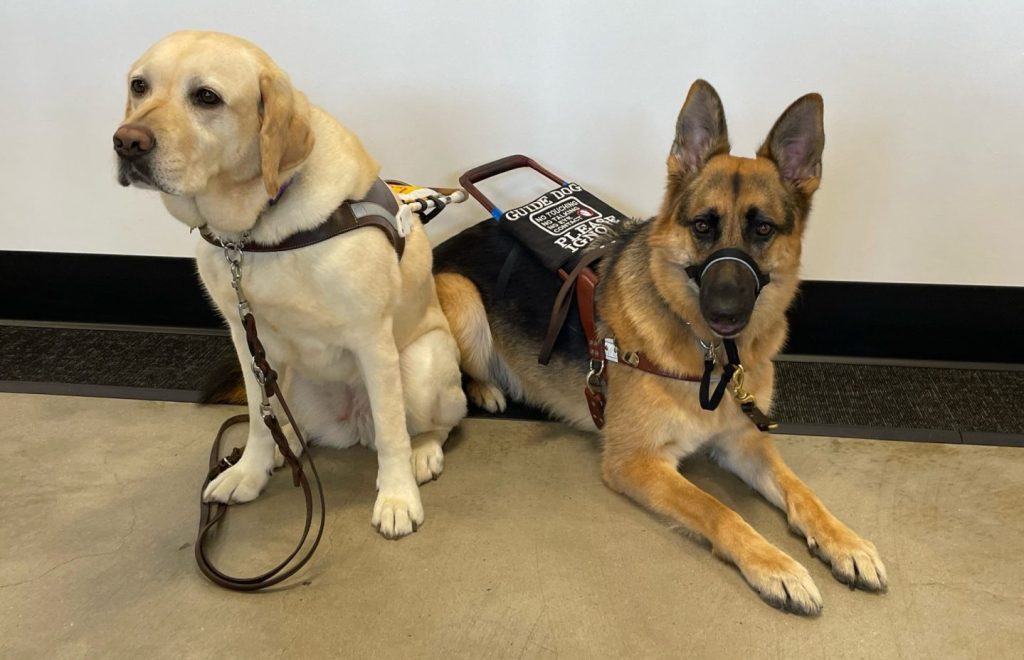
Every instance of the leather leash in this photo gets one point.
(369, 212)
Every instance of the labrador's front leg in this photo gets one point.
(398, 509)
(245, 480)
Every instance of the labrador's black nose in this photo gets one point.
(133, 141)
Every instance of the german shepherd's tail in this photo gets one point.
(224, 384)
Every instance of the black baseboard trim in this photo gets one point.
(840, 319)
(100, 391)
(103, 289)
(943, 436)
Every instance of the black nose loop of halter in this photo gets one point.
(696, 272)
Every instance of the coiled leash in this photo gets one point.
(212, 513)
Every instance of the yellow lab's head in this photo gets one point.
(209, 111)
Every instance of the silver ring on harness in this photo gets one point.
(594, 377)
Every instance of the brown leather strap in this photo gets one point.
(341, 221)
(638, 360)
(212, 513)
(563, 301)
(583, 281)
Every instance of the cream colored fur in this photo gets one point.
(365, 353)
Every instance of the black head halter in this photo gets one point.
(697, 271)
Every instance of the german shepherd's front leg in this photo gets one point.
(653, 480)
(754, 458)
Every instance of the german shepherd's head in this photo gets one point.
(715, 200)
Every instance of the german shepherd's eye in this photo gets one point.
(139, 86)
(764, 229)
(704, 225)
(206, 96)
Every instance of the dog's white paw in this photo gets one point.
(486, 395)
(397, 511)
(242, 482)
(427, 461)
(782, 582)
(854, 561)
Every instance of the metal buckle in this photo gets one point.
(632, 358)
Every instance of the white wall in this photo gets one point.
(924, 106)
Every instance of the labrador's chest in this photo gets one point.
(303, 322)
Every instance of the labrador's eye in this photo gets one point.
(139, 87)
(208, 97)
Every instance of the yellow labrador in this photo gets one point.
(364, 351)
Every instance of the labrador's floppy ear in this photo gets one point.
(796, 141)
(700, 130)
(286, 137)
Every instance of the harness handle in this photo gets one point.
(496, 167)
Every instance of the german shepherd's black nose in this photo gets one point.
(727, 295)
(132, 141)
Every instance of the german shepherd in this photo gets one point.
(646, 301)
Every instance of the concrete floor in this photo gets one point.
(524, 553)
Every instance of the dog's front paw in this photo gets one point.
(854, 561)
(242, 482)
(427, 461)
(486, 395)
(782, 582)
(397, 511)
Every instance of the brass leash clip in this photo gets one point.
(739, 393)
(747, 403)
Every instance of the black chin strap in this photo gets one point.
(708, 400)
(732, 372)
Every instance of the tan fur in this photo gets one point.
(653, 422)
(464, 309)
(286, 137)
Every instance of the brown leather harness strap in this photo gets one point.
(343, 220)
(582, 280)
(581, 273)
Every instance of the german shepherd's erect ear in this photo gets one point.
(796, 142)
(286, 137)
(700, 130)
